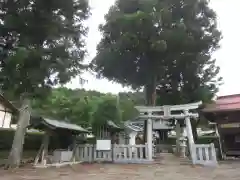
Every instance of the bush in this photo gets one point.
(91, 140)
(208, 140)
(32, 139)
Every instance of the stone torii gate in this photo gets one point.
(167, 112)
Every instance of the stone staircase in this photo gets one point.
(171, 159)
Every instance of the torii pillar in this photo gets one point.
(148, 115)
(149, 137)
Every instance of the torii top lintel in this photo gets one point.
(167, 109)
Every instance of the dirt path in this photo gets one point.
(171, 170)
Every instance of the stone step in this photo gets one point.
(185, 161)
(168, 158)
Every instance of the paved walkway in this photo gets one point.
(166, 170)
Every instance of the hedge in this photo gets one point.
(32, 139)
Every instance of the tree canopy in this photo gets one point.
(42, 43)
(165, 44)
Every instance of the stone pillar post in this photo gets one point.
(183, 146)
(190, 136)
(149, 139)
(178, 136)
(189, 128)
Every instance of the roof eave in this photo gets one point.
(219, 110)
(38, 120)
(8, 104)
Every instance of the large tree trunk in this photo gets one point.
(150, 94)
(14, 159)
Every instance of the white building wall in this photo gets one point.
(132, 137)
(121, 139)
(5, 117)
(160, 124)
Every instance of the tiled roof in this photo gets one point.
(224, 103)
(7, 103)
(129, 125)
(64, 125)
(113, 125)
(38, 122)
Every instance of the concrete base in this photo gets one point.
(57, 164)
(132, 161)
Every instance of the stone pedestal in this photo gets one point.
(183, 147)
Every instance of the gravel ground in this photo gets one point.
(167, 169)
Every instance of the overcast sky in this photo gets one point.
(227, 56)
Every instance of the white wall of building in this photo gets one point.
(132, 137)
(5, 117)
(160, 124)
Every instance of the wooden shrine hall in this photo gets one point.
(66, 134)
(225, 112)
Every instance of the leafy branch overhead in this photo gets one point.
(42, 43)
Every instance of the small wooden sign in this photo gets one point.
(103, 145)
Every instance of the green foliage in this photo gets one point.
(136, 98)
(41, 44)
(166, 44)
(127, 34)
(128, 112)
(64, 104)
(87, 107)
(32, 141)
(107, 110)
